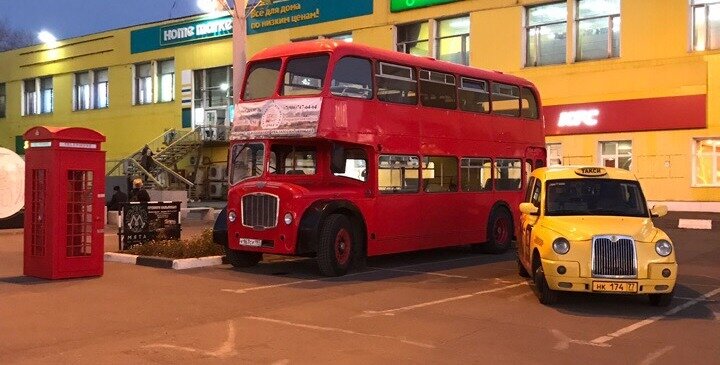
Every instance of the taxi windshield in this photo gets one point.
(609, 197)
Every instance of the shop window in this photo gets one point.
(213, 99)
(166, 80)
(555, 156)
(3, 100)
(262, 79)
(100, 88)
(474, 95)
(453, 40)
(352, 78)
(305, 76)
(396, 83)
(414, 38)
(143, 83)
(706, 24)
(546, 34)
(616, 154)
(355, 164)
(528, 104)
(476, 174)
(598, 29)
(46, 95)
(437, 89)
(508, 174)
(440, 174)
(82, 91)
(398, 174)
(706, 162)
(505, 99)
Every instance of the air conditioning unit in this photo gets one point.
(217, 172)
(210, 117)
(217, 190)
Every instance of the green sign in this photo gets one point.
(275, 15)
(152, 38)
(402, 5)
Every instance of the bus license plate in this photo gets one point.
(250, 242)
(614, 286)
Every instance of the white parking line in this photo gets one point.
(651, 320)
(340, 330)
(656, 355)
(421, 272)
(391, 312)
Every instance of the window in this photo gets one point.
(30, 97)
(528, 104)
(706, 24)
(508, 174)
(262, 79)
(414, 38)
(305, 76)
(398, 174)
(247, 160)
(554, 151)
(46, 95)
(546, 34)
(143, 83)
(212, 87)
(3, 100)
(616, 154)
(166, 80)
(352, 78)
(440, 174)
(532, 194)
(437, 89)
(476, 174)
(473, 95)
(598, 29)
(396, 83)
(505, 99)
(453, 40)
(100, 88)
(82, 91)
(608, 197)
(293, 160)
(355, 164)
(706, 163)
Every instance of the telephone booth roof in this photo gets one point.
(63, 133)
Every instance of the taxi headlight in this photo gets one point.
(663, 248)
(288, 218)
(561, 246)
(232, 216)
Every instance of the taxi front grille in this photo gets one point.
(614, 257)
(260, 211)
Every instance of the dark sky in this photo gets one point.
(72, 18)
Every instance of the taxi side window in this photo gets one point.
(535, 198)
(530, 186)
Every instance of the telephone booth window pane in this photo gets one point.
(39, 189)
(79, 213)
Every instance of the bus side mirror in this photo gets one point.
(528, 208)
(658, 211)
(337, 159)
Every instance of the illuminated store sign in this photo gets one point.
(275, 15)
(402, 5)
(653, 114)
(152, 38)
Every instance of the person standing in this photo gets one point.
(146, 158)
(118, 199)
(138, 193)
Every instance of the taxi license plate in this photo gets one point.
(250, 242)
(614, 286)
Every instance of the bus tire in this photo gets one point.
(335, 245)
(545, 295)
(242, 258)
(499, 232)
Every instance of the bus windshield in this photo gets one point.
(303, 76)
(595, 197)
(247, 160)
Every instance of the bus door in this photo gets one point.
(442, 205)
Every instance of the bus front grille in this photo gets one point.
(260, 211)
(614, 257)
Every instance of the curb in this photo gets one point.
(164, 263)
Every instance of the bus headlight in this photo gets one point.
(288, 218)
(663, 248)
(561, 246)
(232, 216)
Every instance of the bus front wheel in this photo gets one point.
(336, 245)
(242, 259)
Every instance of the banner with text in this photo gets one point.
(277, 119)
(282, 14)
(152, 38)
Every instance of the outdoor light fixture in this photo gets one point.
(46, 37)
(208, 6)
(224, 86)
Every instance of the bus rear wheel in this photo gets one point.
(499, 232)
(336, 246)
(242, 258)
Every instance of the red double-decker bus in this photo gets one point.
(342, 151)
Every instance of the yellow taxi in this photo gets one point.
(588, 229)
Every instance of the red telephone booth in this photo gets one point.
(64, 203)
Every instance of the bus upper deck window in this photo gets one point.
(505, 99)
(352, 78)
(262, 78)
(305, 76)
(529, 104)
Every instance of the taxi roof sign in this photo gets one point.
(591, 171)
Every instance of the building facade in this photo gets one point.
(627, 83)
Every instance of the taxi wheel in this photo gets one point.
(661, 300)
(335, 249)
(499, 232)
(521, 270)
(242, 258)
(545, 295)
